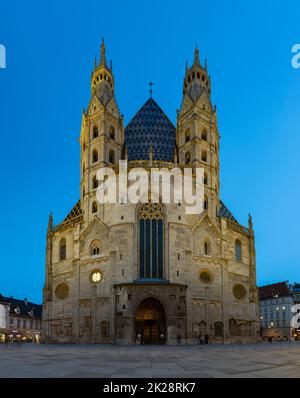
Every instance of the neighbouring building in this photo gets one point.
(4, 319)
(117, 271)
(22, 320)
(295, 291)
(276, 311)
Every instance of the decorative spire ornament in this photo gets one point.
(196, 57)
(102, 58)
(50, 222)
(250, 222)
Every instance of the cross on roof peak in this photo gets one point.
(151, 91)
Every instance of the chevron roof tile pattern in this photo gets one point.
(150, 126)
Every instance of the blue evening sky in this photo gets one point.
(50, 54)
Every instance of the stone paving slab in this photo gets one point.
(280, 360)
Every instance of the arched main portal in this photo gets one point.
(150, 321)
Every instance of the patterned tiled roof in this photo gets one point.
(72, 218)
(224, 212)
(23, 307)
(280, 289)
(150, 126)
(295, 288)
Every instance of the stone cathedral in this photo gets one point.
(122, 273)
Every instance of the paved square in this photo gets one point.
(263, 360)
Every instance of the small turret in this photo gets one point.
(250, 223)
(50, 223)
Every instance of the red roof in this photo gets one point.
(272, 291)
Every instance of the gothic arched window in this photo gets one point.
(95, 182)
(95, 248)
(62, 249)
(187, 158)
(205, 178)
(187, 135)
(151, 241)
(112, 132)
(111, 157)
(206, 247)
(238, 251)
(204, 156)
(204, 135)
(95, 156)
(205, 203)
(94, 207)
(95, 132)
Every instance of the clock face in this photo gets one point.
(96, 277)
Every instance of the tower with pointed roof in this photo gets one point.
(197, 131)
(102, 131)
(131, 272)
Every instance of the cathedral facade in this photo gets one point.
(149, 272)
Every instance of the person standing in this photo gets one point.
(206, 337)
(179, 338)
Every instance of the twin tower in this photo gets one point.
(148, 273)
(194, 142)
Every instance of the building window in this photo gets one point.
(95, 182)
(238, 251)
(111, 157)
(187, 135)
(112, 132)
(151, 241)
(205, 179)
(24, 324)
(205, 203)
(95, 156)
(94, 208)
(207, 247)
(62, 249)
(95, 132)
(187, 158)
(95, 248)
(204, 156)
(204, 135)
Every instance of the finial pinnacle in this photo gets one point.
(250, 222)
(50, 222)
(196, 57)
(102, 58)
